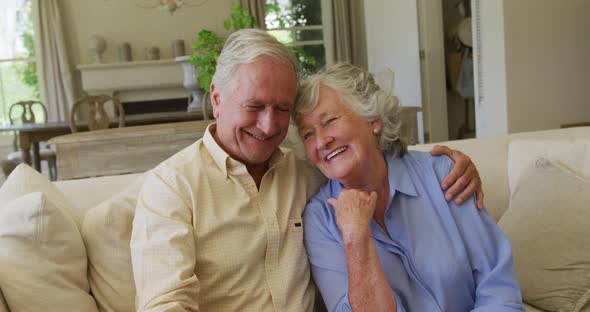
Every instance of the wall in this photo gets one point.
(123, 21)
(547, 63)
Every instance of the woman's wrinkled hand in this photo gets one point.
(354, 211)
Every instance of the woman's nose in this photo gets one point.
(323, 139)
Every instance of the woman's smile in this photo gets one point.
(336, 152)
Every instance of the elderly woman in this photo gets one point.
(380, 235)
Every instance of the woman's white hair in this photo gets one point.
(247, 46)
(357, 89)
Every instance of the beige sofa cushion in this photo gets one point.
(76, 191)
(490, 157)
(548, 225)
(107, 231)
(42, 256)
(3, 306)
(530, 308)
(522, 154)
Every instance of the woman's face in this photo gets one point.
(338, 141)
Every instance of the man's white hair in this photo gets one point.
(247, 46)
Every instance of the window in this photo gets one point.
(304, 24)
(18, 71)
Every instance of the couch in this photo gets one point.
(64, 245)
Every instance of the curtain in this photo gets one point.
(256, 9)
(53, 66)
(349, 32)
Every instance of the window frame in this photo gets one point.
(7, 137)
(327, 33)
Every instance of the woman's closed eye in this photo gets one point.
(307, 134)
(329, 121)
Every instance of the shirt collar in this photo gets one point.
(227, 164)
(399, 177)
(397, 172)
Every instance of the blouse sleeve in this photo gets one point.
(489, 254)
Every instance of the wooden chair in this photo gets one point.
(97, 117)
(22, 113)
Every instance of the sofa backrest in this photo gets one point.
(87, 193)
(490, 156)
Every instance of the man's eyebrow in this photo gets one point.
(251, 101)
(285, 104)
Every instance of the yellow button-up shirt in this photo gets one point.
(205, 238)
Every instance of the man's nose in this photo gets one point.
(267, 122)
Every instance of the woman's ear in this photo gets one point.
(377, 125)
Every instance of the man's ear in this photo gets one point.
(215, 101)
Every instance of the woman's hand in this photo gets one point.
(354, 211)
(368, 288)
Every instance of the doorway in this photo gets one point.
(447, 69)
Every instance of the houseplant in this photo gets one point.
(208, 45)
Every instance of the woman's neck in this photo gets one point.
(373, 177)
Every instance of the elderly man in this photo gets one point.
(218, 225)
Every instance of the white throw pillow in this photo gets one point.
(522, 155)
(42, 255)
(107, 232)
(548, 226)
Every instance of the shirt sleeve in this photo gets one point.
(327, 258)
(489, 254)
(163, 249)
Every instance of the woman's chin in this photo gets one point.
(336, 175)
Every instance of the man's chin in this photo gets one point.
(258, 158)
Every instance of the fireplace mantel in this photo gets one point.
(135, 81)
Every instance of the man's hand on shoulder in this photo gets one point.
(463, 179)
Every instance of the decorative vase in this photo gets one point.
(96, 46)
(178, 48)
(152, 53)
(124, 52)
(199, 96)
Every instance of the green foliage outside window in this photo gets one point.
(18, 74)
(29, 71)
(208, 45)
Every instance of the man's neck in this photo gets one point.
(257, 172)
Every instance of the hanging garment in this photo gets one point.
(465, 81)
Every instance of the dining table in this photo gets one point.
(30, 135)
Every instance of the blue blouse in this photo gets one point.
(437, 257)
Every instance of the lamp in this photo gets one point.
(170, 5)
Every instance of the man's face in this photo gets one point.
(253, 118)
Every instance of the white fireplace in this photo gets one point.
(135, 81)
